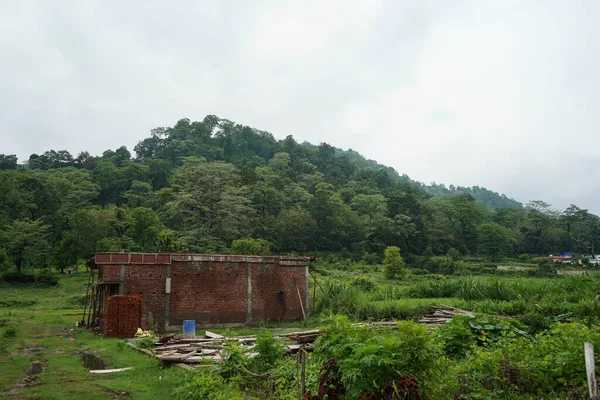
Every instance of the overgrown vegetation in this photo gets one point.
(535, 354)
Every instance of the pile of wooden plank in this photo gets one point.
(439, 315)
(208, 350)
(196, 351)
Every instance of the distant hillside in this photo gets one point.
(491, 199)
(215, 185)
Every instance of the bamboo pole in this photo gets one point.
(87, 293)
(300, 299)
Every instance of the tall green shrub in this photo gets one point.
(258, 247)
(393, 263)
(368, 359)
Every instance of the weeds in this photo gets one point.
(9, 332)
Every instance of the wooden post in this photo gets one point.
(303, 373)
(590, 369)
(87, 293)
(314, 292)
(300, 299)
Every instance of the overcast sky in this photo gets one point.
(502, 94)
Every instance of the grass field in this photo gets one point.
(43, 321)
(37, 324)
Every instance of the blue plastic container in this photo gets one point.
(189, 327)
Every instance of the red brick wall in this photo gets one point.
(211, 289)
(208, 292)
(123, 316)
(110, 273)
(148, 283)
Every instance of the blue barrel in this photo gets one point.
(189, 327)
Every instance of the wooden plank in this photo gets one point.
(188, 355)
(203, 359)
(109, 371)
(140, 350)
(177, 357)
(590, 369)
(186, 367)
(172, 346)
(303, 333)
(213, 335)
(165, 356)
(197, 340)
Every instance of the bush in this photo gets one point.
(393, 263)
(525, 258)
(208, 387)
(338, 298)
(9, 332)
(17, 303)
(535, 322)
(549, 366)
(456, 338)
(46, 278)
(454, 254)
(364, 283)
(366, 359)
(233, 360)
(269, 351)
(17, 277)
(146, 343)
(546, 267)
(441, 265)
(371, 258)
(259, 247)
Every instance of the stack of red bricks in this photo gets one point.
(123, 316)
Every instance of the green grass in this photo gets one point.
(505, 294)
(45, 317)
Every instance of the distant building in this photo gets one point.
(593, 259)
(563, 259)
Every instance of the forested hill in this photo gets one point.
(491, 199)
(201, 185)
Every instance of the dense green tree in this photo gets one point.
(212, 206)
(295, 230)
(26, 243)
(167, 241)
(145, 228)
(8, 161)
(201, 185)
(138, 195)
(540, 217)
(495, 241)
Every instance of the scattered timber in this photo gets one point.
(439, 315)
(194, 352)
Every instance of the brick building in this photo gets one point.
(209, 288)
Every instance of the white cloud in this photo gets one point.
(496, 94)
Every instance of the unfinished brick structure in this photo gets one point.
(123, 316)
(209, 288)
